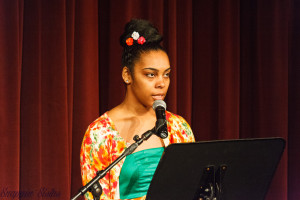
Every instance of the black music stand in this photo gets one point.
(217, 170)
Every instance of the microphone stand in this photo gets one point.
(94, 185)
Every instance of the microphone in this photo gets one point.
(160, 129)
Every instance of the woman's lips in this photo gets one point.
(158, 96)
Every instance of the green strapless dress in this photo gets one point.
(137, 172)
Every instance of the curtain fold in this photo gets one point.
(228, 68)
(45, 147)
(11, 38)
(235, 74)
(85, 79)
(294, 99)
(205, 73)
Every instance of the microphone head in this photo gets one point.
(159, 103)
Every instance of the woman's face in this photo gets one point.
(151, 79)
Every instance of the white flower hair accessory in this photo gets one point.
(135, 35)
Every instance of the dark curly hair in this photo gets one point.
(132, 53)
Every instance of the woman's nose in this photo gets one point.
(160, 82)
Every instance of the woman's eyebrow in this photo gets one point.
(149, 68)
(154, 69)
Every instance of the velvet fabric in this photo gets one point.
(235, 74)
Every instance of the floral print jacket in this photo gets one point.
(102, 144)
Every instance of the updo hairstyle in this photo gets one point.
(132, 52)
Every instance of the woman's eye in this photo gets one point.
(151, 75)
(167, 75)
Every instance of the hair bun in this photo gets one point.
(144, 28)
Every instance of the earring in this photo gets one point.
(127, 81)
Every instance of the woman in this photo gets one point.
(146, 73)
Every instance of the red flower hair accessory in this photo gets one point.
(141, 40)
(135, 36)
(129, 41)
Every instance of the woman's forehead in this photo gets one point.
(155, 60)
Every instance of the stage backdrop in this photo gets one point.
(235, 74)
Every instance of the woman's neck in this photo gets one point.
(135, 108)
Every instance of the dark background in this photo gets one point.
(235, 74)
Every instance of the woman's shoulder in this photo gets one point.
(179, 128)
(102, 126)
(171, 117)
(177, 121)
(101, 121)
(99, 131)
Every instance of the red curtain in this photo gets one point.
(235, 74)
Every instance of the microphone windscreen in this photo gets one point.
(159, 103)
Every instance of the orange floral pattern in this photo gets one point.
(102, 144)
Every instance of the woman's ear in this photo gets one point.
(126, 75)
